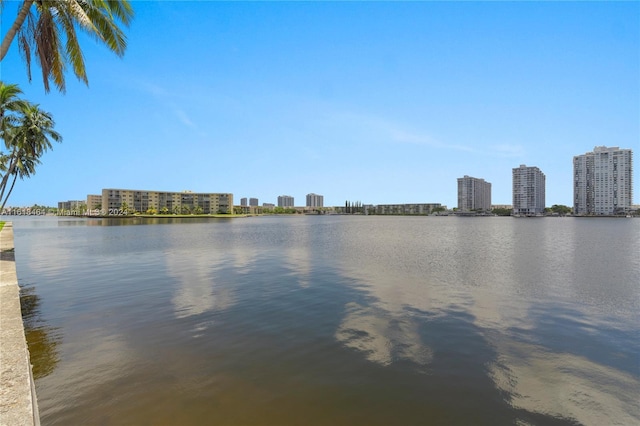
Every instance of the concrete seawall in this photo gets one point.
(18, 403)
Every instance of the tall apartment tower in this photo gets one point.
(473, 194)
(243, 201)
(603, 181)
(315, 200)
(528, 191)
(285, 201)
(253, 202)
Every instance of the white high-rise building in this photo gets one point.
(603, 181)
(473, 194)
(528, 191)
(285, 201)
(315, 200)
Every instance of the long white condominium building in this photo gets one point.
(602, 181)
(315, 200)
(528, 191)
(473, 194)
(166, 202)
(285, 201)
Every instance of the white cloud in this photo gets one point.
(167, 99)
(184, 118)
(392, 131)
(153, 89)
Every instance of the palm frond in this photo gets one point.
(47, 30)
(72, 47)
(50, 53)
(75, 9)
(107, 29)
(119, 9)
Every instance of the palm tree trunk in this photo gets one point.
(11, 34)
(10, 170)
(9, 193)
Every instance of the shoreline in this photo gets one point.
(18, 401)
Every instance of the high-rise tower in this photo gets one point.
(473, 194)
(528, 191)
(315, 200)
(603, 181)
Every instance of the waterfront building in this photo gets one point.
(405, 209)
(243, 202)
(501, 206)
(268, 205)
(253, 202)
(113, 201)
(285, 201)
(473, 194)
(71, 205)
(528, 191)
(315, 200)
(94, 201)
(603, 181)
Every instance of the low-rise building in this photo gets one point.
(406, 209)
(67, 207)
(501, 206)
(116, 201)
(94, 202)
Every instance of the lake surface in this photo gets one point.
(333, 320)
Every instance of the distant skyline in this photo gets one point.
(380, 102)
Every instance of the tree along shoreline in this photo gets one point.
(156, 216)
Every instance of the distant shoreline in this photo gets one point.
(167, 216)
(229, 216)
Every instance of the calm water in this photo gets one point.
(333, 320)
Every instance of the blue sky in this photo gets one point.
(378, 102)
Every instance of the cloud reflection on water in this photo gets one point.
(564, 385)
(299, 260)
(407, 268)
(196, 292)
(382, 338)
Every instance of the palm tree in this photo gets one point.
(27, 133)
(47, 29)
(9, 103)
(24, 167)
